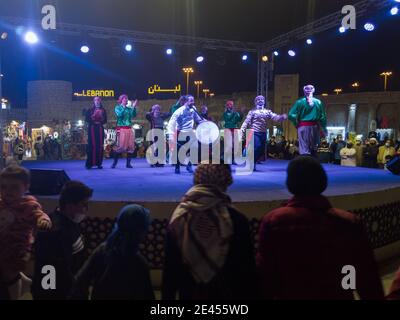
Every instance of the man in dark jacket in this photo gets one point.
(306, 246)
(62, 247)
(370, 154)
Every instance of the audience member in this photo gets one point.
(20, 216)
(348, 155)
(116, 270)
(209, 252)
(62, 247)
(305, 244)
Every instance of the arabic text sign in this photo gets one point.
(156, 88)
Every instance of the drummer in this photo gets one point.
(182, 121)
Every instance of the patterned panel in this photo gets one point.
(382, 224)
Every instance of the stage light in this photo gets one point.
(128, 47)
(169, 51)
(31, 37)
(264, 58)
(309, 42)
(245, 57)
(369, 26)
(4, 36)
(200, 59)
(276, 53)
(292, 53)
(394, 11)
(342, 29)
(85, 49)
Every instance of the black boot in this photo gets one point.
(189, 168)
(128, 161)
(116, 156)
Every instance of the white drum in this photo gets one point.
(207, 132)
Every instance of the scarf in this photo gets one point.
(203, 227)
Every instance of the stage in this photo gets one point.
(372, 193)
(146, 184)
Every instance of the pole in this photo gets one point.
(198, 90)
(386, 77)
(187, 83)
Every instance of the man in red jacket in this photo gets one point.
(307, 247)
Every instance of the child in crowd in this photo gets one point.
(20, 215)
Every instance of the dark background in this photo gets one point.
(333, 60)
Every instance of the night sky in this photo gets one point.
(332, 61)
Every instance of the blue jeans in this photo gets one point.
(260, 139)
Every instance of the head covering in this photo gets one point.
(229, 103)
(156, 106)
(202, 227)
(132, 224)
(219, 175)
(309, 89)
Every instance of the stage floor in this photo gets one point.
(146, 184)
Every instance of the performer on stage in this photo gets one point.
(183, 121)
(156, 119)
(96, 117)
(125, 133)
(232, 121)
(309, 116)
(178, 104)
(257, 120)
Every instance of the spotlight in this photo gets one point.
(169, 51)
(309, 41)
(85, 49)
(128, 47)
(264, 58)
(342, 29)
(4, 36)
(31, 37)
(200, 59)
(276, 53)
(292, 53)
(394, 11)
(245, 57)
(369, 26)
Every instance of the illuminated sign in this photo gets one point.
(95, 93)
(156, 88)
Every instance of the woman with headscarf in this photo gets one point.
(96, 117)
(116, 269)
(209, 252)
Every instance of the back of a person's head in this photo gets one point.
(219, 175)
(74, 192)
(306, 177)
(16, 172)
(131, 226)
